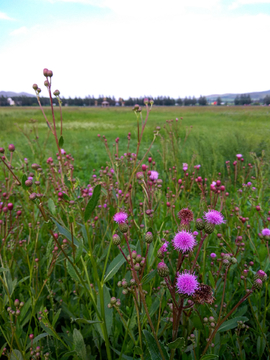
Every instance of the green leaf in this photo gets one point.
(51, 206)
(61, 141)
(148, 277)
(84, 321)
(16, 355)
(56, 316)
(114, 267)
(72, 272)
(153, 348)
(92, 203)
(211, 279)
(79, 344)
(138, 350)
(36, 339)
(123, 356)
(231, 324)
(79, 251)
(3, 269)
(178, 343)
(209, 357)
(66, 181)
(65, 197)
(24, 178)
(261, 343)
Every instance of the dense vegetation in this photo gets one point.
(91, 225)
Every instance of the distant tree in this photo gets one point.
(243, 99)
(218, 101)
(266, 100)
(3, 101)
(202, 100)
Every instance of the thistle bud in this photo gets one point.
(260, 275)
(46, 83)
(226, 262)
(116, 239)
(56, 93)
(132, 282)
(199, 224)
(28, 183)
(35, 87)
(258, 283)
(138, 258)
(148, 237)
(113, 300)
(16, 302)
(11, 148)
(35, 166)
(209, 228)
(233, 260)
(123, 227)
(45, 72)
(124, 292)
(124, 283)
(137, 267)
(160, 253)
(227, 257)
(32, 196)
(134, 254)
(162, 269)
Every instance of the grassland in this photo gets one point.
(217, 134)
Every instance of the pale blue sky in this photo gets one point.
(132, 48)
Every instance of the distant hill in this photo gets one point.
(230, 97)
(12, 93)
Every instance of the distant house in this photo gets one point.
(105, 104)
(11, 102)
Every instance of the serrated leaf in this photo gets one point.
(148, 277)
(178, 343)
(209, 357)
(153, 348)
(51, 206)
(92, 203)
(16, 355)
(114, 267)
(24, 178)
(61, 141)
(79, 344)
(231, 324)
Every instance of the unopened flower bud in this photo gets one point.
(148, 237)
(113, 300)
(35, 87)
(116, 239)
(56, 93)
(123, 227)
(258, 283)
(199, 224)
(209, 228)
(137, 267)
(125, 291)
(163, 270)
(28, 183)
(11, 148)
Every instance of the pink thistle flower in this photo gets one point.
(154, 175)
(164, 247)
(214, 217)
(187, 283)
(213, 255)
(239, 156)
(120, 217)
(266, 232)
(185, 166)
(63, 152)
(184, 241)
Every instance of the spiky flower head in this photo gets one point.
(116, 239)
(258, 283)
(185, 215)
(154, 175)
(266, 233)
(199, 224)
(120, 217)
(185, 166)
(184, 241)
(214, 217)
(187, 283)
(203, 294)
(260, 274)
(162, 269)
(148, 237)
(139, 175)
(213, 255)
(239, 156)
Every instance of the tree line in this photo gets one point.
(243, 99)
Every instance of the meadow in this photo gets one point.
(135, 234)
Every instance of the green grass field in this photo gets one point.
(217, 134)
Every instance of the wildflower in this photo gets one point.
(63, 152)
(266, 232)
(187, 283)
(203, 294)
(260, 274)
(213, 255)
(120, 217)
(197, 167)
(184, 241)
(163, 269)
(214, 217)
(185, 215)
(139, 175)
(239, 156)
(154, 175)
(185, 166)
(112, 171)
(195, 233)
(249, 183)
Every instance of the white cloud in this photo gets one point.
(19, 31)
(4, 16)
(239, 3)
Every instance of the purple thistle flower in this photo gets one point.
(187, 283)
(213, 255)
(63, 152)
(164, 247)
(184, 241)
(239, 156)
(185, 166)
(249, 183)
(214, 217)
(266, 232)
(120, 217)
(154, 175)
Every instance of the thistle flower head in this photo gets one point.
(185, 166)
(164, 247)
(213, 255)
(120, 217)
(214, 217)
(186, 283)
(239, 156)
(185, 215)
(184, 241)
(154, 175)
(266, 232)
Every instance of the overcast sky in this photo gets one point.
(135, 48)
